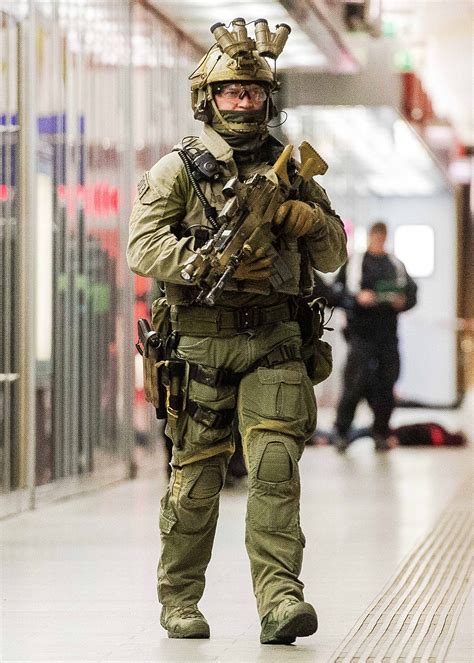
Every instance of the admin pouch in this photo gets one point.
(316, 353)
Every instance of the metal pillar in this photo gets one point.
(126, 280)
(28, 230)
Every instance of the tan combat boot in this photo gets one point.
(290, 619)
(184, 622)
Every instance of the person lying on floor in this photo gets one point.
(421, 434)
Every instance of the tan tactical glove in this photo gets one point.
(256, 267)
(296, 218)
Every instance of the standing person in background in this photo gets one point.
(373, 288)
(243, 354)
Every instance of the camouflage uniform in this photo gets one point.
(248, 332)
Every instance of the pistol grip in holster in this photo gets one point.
(171, 377)
(150, 346)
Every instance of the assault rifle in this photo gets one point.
(246, 224)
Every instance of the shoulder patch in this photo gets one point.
(143, 186)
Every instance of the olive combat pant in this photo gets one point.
(277, 413)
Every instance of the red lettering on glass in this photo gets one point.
(99, 200)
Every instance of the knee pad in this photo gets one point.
(275, 464)
(208, 484)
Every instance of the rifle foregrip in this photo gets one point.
(214, 293)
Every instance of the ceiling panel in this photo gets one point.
(197, 16)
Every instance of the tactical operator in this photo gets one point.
(374, 288)
(243, 353)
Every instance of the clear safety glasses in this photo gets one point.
(235, 91)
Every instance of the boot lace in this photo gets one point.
(188, 611)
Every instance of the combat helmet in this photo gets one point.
(237, 57)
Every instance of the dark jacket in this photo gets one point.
(380, 274)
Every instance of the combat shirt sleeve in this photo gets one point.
(154, 249)
(327, 245)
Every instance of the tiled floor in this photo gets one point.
(78, 576)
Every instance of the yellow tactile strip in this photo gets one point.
(414, 618)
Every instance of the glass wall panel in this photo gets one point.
(80, 162)
(163, 60)
(112, 96)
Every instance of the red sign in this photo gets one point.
(99, 200)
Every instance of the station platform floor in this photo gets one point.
(386, 565)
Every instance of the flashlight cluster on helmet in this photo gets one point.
(238, 44)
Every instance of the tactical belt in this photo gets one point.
(210, 321)
(220, 377)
